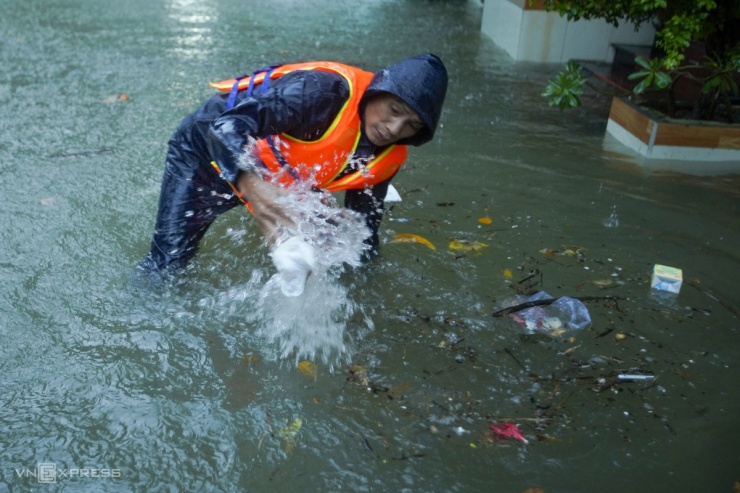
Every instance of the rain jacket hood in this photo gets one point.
(421, 82)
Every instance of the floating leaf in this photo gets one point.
(467, 246)
(573, 251)
(411, 238)
(485, 220)
(508, 274)
(291, 433)
(508, 430)
(358, 374)
(308, 368)
(570, 350)
(602, 283)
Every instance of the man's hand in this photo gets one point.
(264, 197)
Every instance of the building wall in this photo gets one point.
(529, 33)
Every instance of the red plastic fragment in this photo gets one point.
(508, 430)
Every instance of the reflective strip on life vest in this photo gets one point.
(367, 176)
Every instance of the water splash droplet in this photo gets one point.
(613, 220)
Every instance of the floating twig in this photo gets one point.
(508, 351)
(550, 301)
(93, 152)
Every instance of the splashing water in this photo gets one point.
(313, 325)
(613, 220)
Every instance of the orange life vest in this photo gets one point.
(324, 159)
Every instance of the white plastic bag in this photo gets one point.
(294, 260)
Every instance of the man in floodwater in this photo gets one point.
(336, 125)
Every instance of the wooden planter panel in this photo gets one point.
(655, 139)
(723, 137)
(635, 122)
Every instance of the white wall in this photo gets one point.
(539, 36)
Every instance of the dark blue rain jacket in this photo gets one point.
(301, 104)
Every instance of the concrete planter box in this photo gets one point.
(655, 136)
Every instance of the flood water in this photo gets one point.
(180, 387)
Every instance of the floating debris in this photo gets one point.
(467, 246)
(634, 377)
(115, 97)
(508, 430)
(308, 368)
(412, 238)
(291, 433)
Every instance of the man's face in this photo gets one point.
(388, 120)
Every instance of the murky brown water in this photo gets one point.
(173, 390)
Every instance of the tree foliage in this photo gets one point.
(678, 23)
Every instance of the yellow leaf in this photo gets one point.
(290, 434)
(291, 431)
(508, 274)
(411, 238)
(467, 246)
(573, 251)
(308, 368)
(485, 220)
